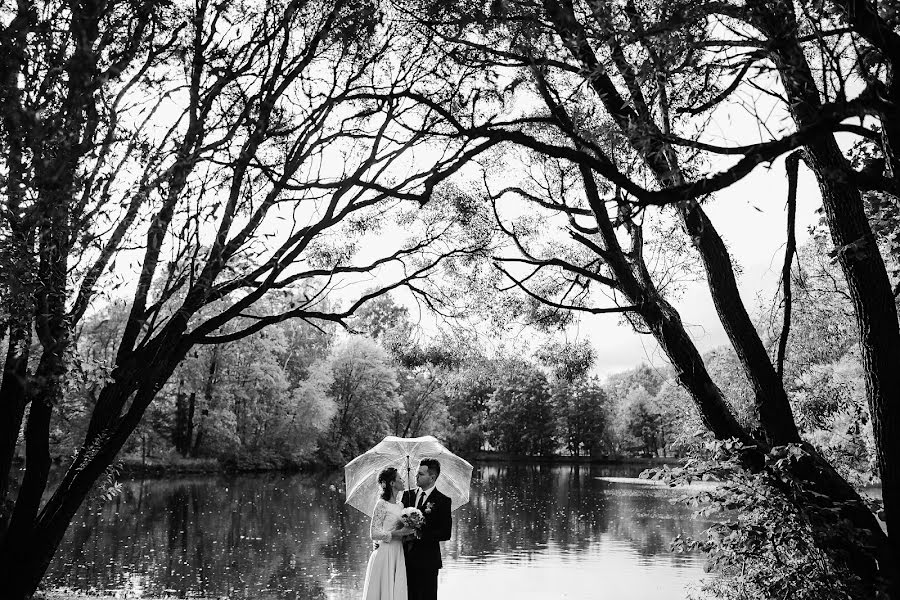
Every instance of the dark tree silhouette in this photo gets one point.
(224, 154)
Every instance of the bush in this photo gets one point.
(776, 539)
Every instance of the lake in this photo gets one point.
(531, 531)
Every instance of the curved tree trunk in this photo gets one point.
(858, 255)
(771, 401)
(25, 557)
(665, 324)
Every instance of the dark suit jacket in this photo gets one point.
(425, 552)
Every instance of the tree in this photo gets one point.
(641, 422)
(621, 106)
(364, 391)
(422, 366)
(577, 399)
(384, 320)
(567, 361)
(649, 379)
(469, 390)
(581, 407)
(424, 409)
(520, 412)
(196, 160)
(682, 424)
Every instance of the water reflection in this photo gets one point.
(536, 531)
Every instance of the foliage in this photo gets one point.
(581, 408)
(641, 424)
(643, 376)
(521, 416)
(445, 389)
(680, 418)
(725, 369)
(773, 534)
(384, 320)
(364, 392)
(469, 391)
(567, 361)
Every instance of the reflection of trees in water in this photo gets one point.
(648, 518)
(282, 537)
(521, 509)
(211, 536)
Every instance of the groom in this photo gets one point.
(423, 554)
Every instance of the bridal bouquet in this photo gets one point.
(413, 518)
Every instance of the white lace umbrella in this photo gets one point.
(404, 454)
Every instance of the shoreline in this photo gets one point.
(490, 457)
(134, 467)
(162, 468)
(65, 594)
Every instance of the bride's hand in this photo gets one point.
(402, 532)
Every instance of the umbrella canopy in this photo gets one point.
(404, 454)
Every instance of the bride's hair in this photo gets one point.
(385, 478)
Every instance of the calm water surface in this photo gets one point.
(530, 532)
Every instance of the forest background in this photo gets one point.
(298, 395)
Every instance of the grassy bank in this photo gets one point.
(70, 595)
(175, 464)
(169, 464)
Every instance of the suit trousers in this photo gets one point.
(422, 584)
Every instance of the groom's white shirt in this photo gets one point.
(419, 492)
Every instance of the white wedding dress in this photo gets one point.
(386, 572)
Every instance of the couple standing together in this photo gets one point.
(405, 563)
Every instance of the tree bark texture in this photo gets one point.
(859, 258)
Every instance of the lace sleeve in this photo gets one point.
(376, 530)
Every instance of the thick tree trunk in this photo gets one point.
(860, 260)
(771, 401)
(57, 146)
(876, 319)
(22, 569)
(26, 557)
(17, 253)
(12, 411)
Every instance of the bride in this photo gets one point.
(386, 572)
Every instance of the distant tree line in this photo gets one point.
(295, 394)
(300, 394)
